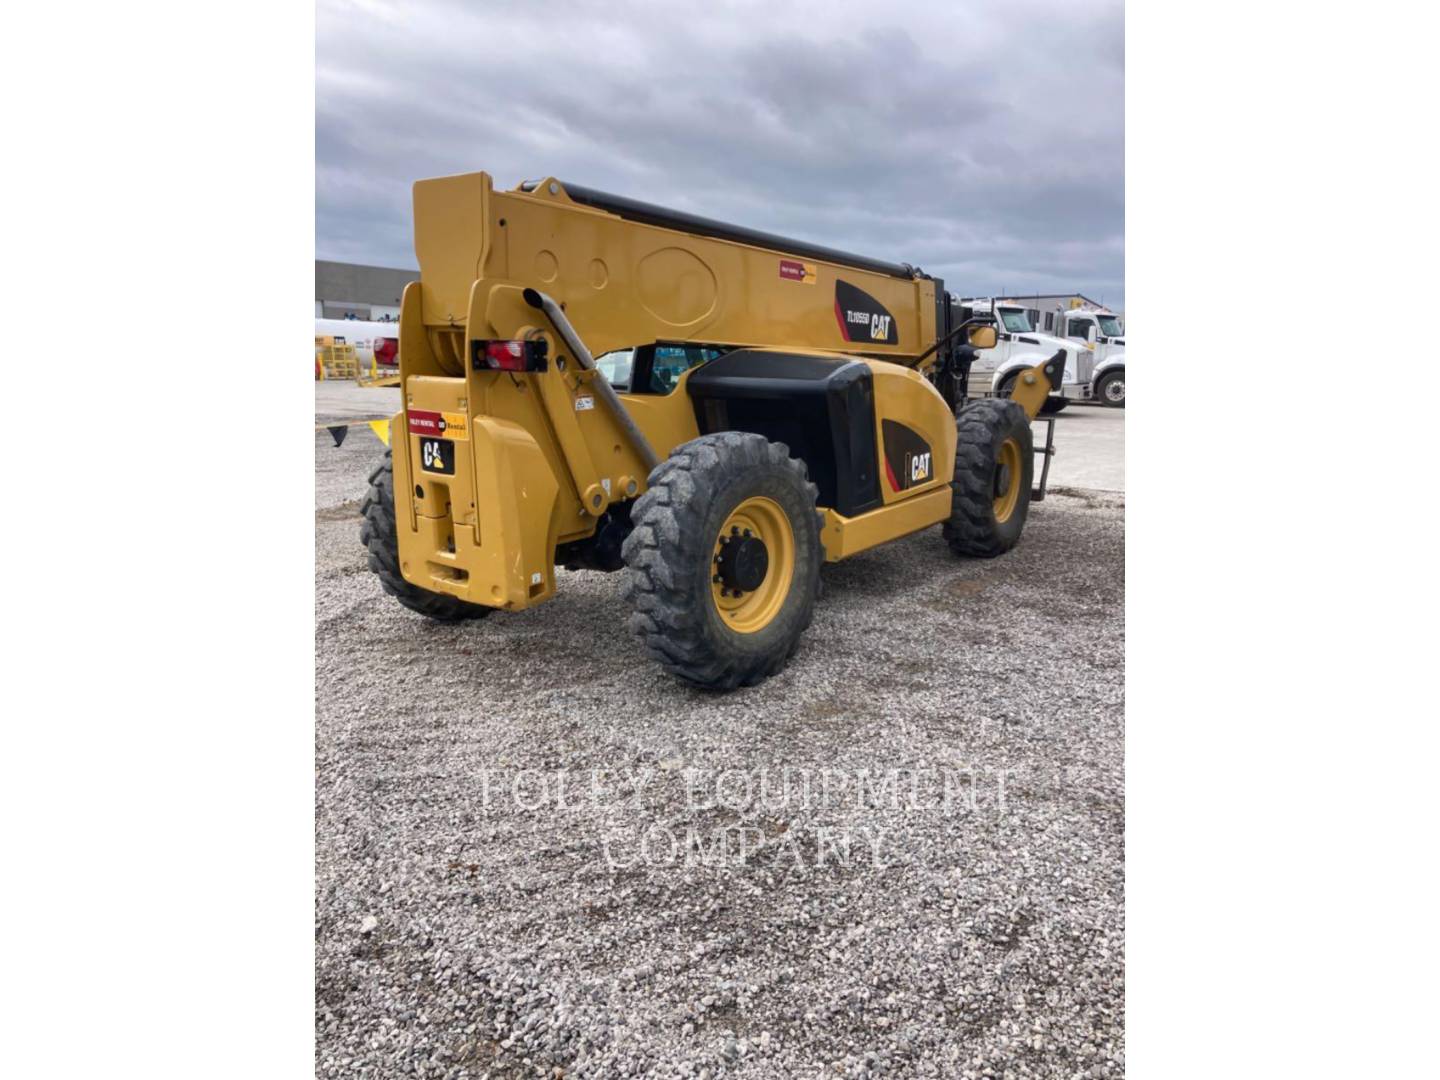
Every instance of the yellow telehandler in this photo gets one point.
(775, 405)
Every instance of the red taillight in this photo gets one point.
(506, 355)
(509, 355)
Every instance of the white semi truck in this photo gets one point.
(1104, 336)
(1094, 353)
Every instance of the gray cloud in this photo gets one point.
(982, 141)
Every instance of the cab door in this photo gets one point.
(986, 363)
(1083, 329)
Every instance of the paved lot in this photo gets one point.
(337, 400)
(1090, 448)
(539, 856)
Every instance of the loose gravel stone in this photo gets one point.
(562, 863)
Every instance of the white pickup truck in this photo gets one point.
(1094, 353)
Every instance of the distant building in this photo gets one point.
(351, 291)
(1044, 306)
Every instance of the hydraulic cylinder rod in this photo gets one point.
(537, 299)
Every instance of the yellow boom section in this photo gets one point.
(625, 282)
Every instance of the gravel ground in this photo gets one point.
(537, 855)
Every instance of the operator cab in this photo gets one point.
(616, 367)
(1102, 327)
(655, 368)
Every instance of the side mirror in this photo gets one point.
(982, 337)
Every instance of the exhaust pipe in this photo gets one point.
(537, 299)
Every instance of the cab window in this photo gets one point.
(1016, 320)
(672, 361)
(616, 367)
(1079, 328)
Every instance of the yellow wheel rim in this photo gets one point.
(1007, 480)
(752, 608)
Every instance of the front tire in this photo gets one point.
(994, 468)
(1111, 389)
(378, 534)
(723, 563)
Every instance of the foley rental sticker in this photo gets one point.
(793, 270)
(449, 425)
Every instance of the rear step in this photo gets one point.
(1048, 451)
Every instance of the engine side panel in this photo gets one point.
(821, 407)
(871, 433)
(915, 430)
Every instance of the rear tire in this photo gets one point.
(1110, 390)
(676, 567)
(378, 534)
(994, 468)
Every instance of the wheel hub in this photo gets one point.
(754, 565)
(1008, 474)
(742, 562)
(1002, 480)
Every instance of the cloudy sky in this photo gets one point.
(983, 142)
